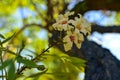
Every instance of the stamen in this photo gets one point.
(64, 22)
(72, 38)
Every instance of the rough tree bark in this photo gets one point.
(87, 5)
(108, 29)
(101, 65)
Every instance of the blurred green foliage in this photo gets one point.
(25, 29)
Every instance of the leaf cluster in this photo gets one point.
(56, 66)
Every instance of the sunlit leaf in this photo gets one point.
(53, 62)
(39, 45)
(38, 74)
(47, 77)
(76, 61)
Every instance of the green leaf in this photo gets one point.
(11, 71)
(1, 44)
(22, 47)
(72, 68)
(11, 52)
(1, 36)
(5, 64)
(4, 41)
(26, 62)
(38, 74)
(76, 61)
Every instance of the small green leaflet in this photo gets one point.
(1, 36)
(4, 41)
(5, 64)
(76, 61)
(26, 62)
(11, 71)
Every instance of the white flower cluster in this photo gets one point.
(73, 28)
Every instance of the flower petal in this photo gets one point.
(68, 44)
(78, 41)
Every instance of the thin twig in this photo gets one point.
(24, 67)
(23, 28)
(42, 53)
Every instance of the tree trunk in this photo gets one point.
(101, 65)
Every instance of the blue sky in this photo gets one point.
(110, 41)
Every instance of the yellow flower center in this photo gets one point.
(79, 27)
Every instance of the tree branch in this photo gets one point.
(103, 29)
(87, 5)
(26, 26)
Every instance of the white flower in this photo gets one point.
(81, 24)
(72, 37)
(73, 29)
(62, 22)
